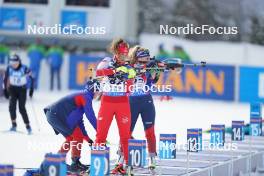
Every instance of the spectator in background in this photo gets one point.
(4, 53)
(36, 53)
(55, 60)
(162, 54)
(178, 52)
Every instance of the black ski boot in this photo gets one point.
(29, 129)
(14, 127)
(77, 166)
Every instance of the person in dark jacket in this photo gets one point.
(66, 118)
(17, 76)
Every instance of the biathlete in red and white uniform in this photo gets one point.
(117, 77)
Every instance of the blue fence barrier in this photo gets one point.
(251, 84)
(79, 69)
(211, 82)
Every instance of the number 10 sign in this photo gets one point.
(137, 153)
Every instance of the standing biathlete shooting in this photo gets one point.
(141, 101)
(117, 76)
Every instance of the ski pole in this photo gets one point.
(35, 114)
(24, 168)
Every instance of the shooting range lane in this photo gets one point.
(218, 162)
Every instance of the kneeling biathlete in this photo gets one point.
(66, 117)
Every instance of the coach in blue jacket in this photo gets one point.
(66, 117)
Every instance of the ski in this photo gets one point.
(152, 171)
(9, 131)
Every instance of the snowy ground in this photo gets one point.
(172, 117)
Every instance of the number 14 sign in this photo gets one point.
(237, 130)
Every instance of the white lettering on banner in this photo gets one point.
(31, 29)
(261, 85)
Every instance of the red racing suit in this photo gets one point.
(114, 102)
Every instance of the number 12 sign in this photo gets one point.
(193, 140)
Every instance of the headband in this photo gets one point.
(144, 53)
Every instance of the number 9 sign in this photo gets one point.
(52, 170)
(54, 165)
(100, 162)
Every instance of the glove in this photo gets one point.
(131, 73)
(6, 93)
(122, 69)
(87, 139)
(151, 64)
(126, 72)
(121, 73)
(155, 66)
(31, 91)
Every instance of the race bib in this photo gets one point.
(139, 87)
(18, 79)
(113, 89)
